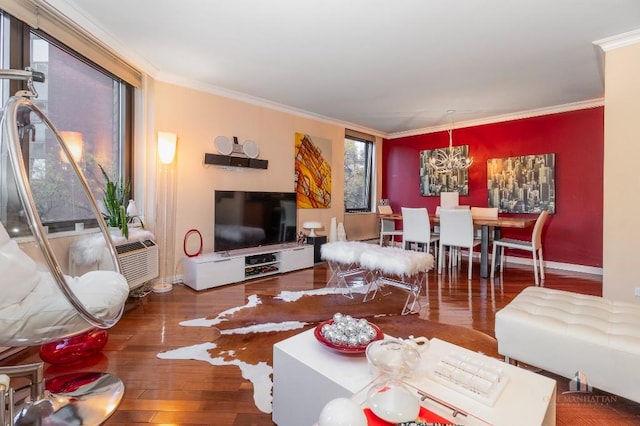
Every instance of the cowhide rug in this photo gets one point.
(244, 336)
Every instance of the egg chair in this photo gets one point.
(40, 301)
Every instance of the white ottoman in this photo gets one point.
(565, 333)
(343, 258)
(399, 268)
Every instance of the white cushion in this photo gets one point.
(34, 310)
(18, 272)
(345, 252)
(390, 260)
(45, 314)
(396, 261)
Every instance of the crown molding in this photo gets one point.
(261, 102)
(593, 103)
(618, 41)
(86, 24)
(71, 11)
(242, 97)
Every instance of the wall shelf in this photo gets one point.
(235, 161)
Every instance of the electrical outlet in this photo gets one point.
(636, 292)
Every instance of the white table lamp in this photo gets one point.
(312, 226)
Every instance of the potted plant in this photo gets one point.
(116, 194)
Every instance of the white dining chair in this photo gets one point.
(483, 213)
(416, 228)
(388, 226)
(534, 246)
(456, 231)
(449, 200)
(436, 228)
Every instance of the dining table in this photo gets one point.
(486, 225)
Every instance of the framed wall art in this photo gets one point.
(433, 183)
(313, 171)
(524, 184)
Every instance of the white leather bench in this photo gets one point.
(566, 333)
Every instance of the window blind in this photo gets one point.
(348, 133)
(43, 17)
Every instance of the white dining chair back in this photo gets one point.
(483, 213)
(449, 199)
(416, 228)
(385, 209)
(534, 246)
(536, 236)
(461, 207)
(456, 230)
(387, 226)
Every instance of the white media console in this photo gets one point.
(216, 269)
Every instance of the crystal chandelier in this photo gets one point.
(449, 160)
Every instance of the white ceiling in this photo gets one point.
(388, 66)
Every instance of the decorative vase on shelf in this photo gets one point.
(132, 209)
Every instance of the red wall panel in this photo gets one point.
(574, 233)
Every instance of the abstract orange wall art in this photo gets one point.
(313, 172)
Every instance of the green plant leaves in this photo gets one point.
(116, 195)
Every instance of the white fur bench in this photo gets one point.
(343, 258)
(568, 334)
(380, 266)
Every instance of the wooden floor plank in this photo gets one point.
(195, 393)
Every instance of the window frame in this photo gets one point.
(369, 168)
(19, 54)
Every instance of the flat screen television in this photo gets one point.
(245, 219)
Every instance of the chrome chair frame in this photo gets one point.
(99, 394)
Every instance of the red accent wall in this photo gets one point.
(574, 233)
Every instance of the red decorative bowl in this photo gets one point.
(354, 350)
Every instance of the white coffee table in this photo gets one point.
(307, 375)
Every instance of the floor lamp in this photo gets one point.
(165, 210)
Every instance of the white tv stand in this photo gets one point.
(221, 268)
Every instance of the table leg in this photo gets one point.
(496, 236)
(484, 252)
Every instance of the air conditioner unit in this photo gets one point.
(138, 261)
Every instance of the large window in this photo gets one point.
(358, 171)
(92, 110)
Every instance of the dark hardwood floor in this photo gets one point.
(195, 393)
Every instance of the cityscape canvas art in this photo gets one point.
(433, 183)
(524, 184)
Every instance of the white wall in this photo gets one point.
(621, 215)
(197, 118)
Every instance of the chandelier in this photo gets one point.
(449, 160)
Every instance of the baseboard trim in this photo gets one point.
(571, 267)
(557, 265)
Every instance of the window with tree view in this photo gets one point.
(90, 109)
(358, 173)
